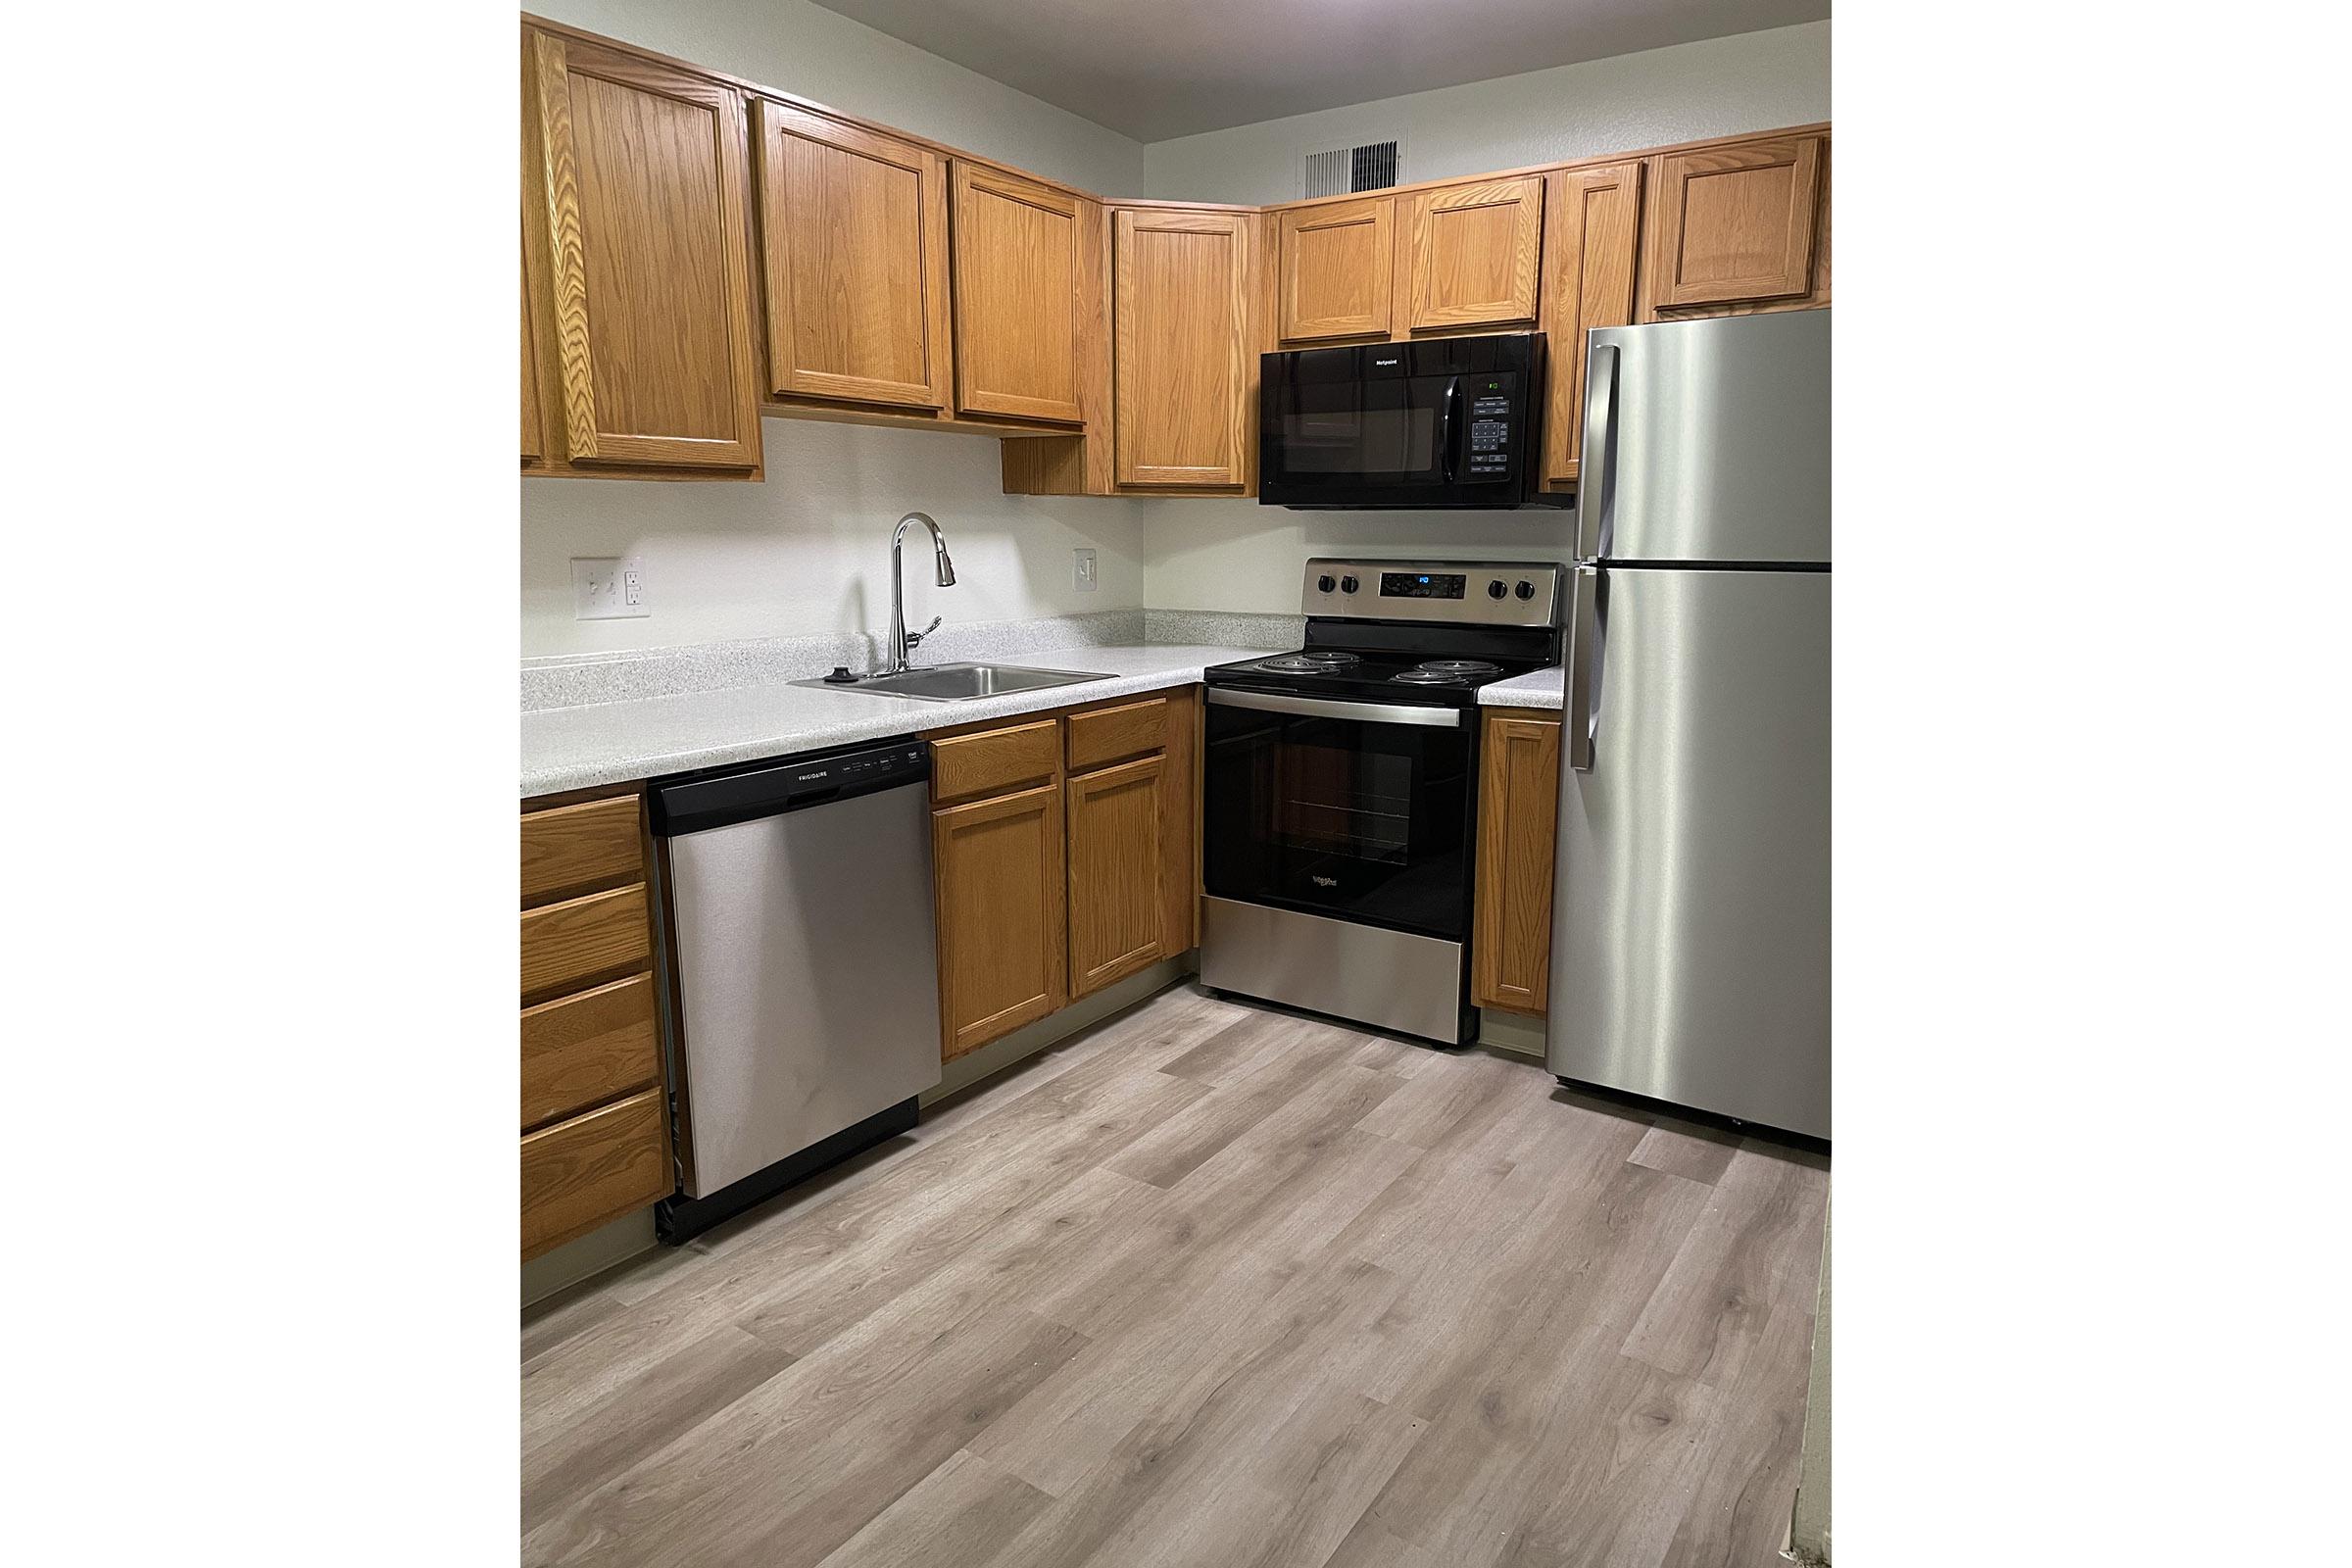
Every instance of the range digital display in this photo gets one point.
(1421, 584)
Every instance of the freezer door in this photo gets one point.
(1708, 441)
(1691, 939)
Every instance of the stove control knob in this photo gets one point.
(1325, 583)
(1526, 590)
(1495, 589)
(1346, 585)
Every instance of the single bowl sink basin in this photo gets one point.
(956, 683)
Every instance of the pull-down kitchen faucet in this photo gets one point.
(902, 641)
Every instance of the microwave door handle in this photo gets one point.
(1446, 424)
(1600, 454)
(1585, 647)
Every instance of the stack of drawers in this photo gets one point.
(595, 1124)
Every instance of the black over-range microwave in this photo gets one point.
(1454, 421)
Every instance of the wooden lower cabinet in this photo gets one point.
(595, 1109)
(996, 873)
(1518, 814)
(1069, 882)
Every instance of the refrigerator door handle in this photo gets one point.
(1600, 454)
(1585, 645)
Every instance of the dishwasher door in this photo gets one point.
(806, 980)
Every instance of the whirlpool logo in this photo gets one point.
(1324, 881)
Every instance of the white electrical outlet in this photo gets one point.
(609, 588)
(1081, 570)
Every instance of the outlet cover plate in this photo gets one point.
(609, 588)
(1082, 572)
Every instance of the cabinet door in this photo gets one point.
(854, 230)
(1474, 251)
(1594, 217)
(1733, 224)
(641, 174)
(997, 867)
(1020, 267)
(1336, 264)
(534, 444)
(1118, 861)
(1183, 412)
(1518, 808)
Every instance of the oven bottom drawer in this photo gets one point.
(1395, 980)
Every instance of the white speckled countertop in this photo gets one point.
(607, 743)
(1541, 689)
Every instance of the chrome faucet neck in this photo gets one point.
(900, 640)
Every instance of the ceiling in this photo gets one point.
(1155, 69)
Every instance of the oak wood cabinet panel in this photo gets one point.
(993, 761)
(854, 234)
(642, 174)
(1022, 265)
(1591, 244)
(1182, 412)
(997, 867)
(1472, 253)
(585, 939)
(588, 1047)
(1518, 806)
(1336, 266)
(1102, 736)
(578, 848)
(535, 442)
(581, 1173)
(1736, 226)
(1118, 860)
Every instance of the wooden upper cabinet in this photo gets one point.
(641, 173)
(1024, 254)
(1734, 226)
(1593, 237)
(1473, 251)
(534, 444)
(1334, 266)
(854, 230)
(1184, 367)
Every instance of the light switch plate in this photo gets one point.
(609, 588)
(1081, 570)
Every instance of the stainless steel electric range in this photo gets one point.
(1340, 790)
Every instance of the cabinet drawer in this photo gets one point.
(574, 848)
(581, 1173)
(1114, 734)
(583, 939)
(582, 1050)
(994, 760)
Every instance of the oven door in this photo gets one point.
(1356, 811)
(1394, 439)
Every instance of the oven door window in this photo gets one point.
(1352, 432)
(1361, 822)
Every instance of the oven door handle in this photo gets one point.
(1331, 708)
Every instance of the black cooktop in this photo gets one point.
(1373, 675)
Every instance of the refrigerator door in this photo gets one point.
(1708, 441)
(1691, 939)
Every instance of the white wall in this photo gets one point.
(1719, 87)
(801, 48)
(807, 551)
(1237, 555)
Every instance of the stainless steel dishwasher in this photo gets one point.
(801, 949)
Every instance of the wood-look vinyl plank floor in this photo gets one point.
(1213, 1286)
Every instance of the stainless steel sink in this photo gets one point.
(956, 683)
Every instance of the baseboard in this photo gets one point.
(606, 1246)
(1030, 1039)
(1515, 1032)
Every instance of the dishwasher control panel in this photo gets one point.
(724, 796)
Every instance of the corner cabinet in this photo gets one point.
(1739, 226)
(1027, 265)
(1470, 254)
(1591, 244)
(853, 235)
(637, 263)
(1063, 858)
(1184, 364)
(1518, 814)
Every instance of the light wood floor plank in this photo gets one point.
(1209, 1284)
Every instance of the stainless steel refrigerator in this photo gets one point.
(1691, 925)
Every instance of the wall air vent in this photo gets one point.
(1372, 166)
